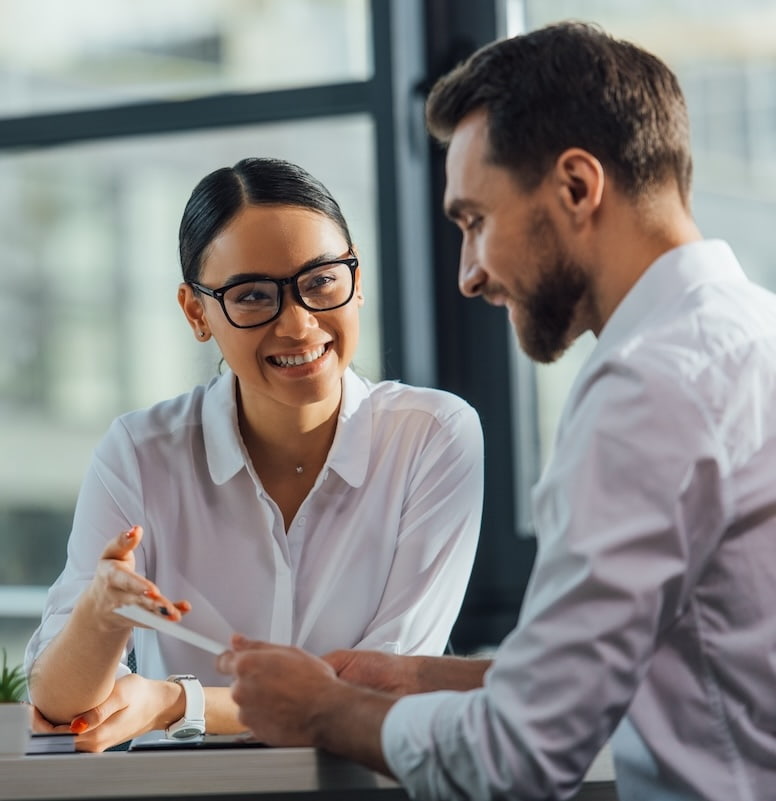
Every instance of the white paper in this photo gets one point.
(140, 615)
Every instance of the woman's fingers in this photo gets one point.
(117, 584)
(42, 726)
(182, 606)
(121, 547)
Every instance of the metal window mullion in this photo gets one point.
(165, 116)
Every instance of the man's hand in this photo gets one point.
(289, 697)
(275, 688)
(376, 669)
(407, 675)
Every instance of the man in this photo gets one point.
(651, 611)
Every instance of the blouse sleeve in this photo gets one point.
(109, 501)
(436, 543)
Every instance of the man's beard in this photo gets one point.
(549, 311)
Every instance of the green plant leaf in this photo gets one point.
(13, 683)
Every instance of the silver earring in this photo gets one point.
(202, 334)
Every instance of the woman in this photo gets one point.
(288, 499)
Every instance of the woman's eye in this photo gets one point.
(252, 297)
(472, 223)
(319, 282)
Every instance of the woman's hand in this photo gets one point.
(77, 669)
(137, 705)
(116, 583)
(42, 726)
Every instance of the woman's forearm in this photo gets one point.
(77, 669)
(221, 712)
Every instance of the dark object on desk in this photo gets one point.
(59, 743)
(206, 741)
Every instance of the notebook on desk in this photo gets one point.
(153, 741)
(51, 743)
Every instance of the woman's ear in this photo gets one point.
(194, 312)
(580, 179)
(359, 294)
(358, 290)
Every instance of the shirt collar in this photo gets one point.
(221, 430)
(665, 280)
(349, 454)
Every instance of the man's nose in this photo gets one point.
(471, 277)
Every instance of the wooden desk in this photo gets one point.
(277, 774)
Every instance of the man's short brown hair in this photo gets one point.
(571, 85)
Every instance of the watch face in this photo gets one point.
(185, 733)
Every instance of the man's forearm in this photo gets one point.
(433, 673)
(348, 722)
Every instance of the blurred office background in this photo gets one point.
(111, 111)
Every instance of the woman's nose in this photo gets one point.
(294, 319)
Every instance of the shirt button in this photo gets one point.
(302, 521)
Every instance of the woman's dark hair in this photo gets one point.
(571, 85)
(219, 196)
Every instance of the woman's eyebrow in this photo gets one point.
(322, 258)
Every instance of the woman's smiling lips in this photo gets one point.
(305, 357)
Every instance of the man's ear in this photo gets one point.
(580, 179)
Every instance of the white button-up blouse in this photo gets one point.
(378, 555)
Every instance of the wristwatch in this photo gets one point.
(192, 724)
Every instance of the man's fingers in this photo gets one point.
(241, 643)
(339, 660)
(227, 661)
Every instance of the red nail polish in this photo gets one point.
(79, 726)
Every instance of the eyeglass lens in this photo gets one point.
(254, 302)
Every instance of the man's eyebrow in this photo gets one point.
(455, 209)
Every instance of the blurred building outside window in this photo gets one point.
(724, 55)
(89, 230)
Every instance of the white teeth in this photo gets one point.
(299, 358)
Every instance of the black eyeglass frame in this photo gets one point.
(292, 280)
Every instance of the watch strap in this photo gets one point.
(192, 724)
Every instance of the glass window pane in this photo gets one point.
(84, 53)
(90, 273)
(725, 57)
